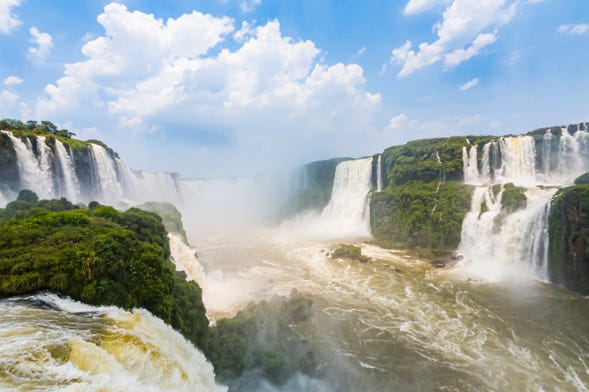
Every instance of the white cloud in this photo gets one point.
(458, 56)
(249, 5)
(9, 103)
(469, 84)
(574, 29)
(461, 34)
(397, 121)
(8, 21)
(415, 7)
(42, 45)
(145, 72)
(12, 81)
(243, 33)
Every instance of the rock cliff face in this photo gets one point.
(569, 239)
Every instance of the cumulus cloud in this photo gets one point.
(466, 28)
(415, 7)
(574, 29)
(397, 121)
(42, 45)
(249, 5)
(146, 72)
(8, 21)
(470, 84)
(12, 81)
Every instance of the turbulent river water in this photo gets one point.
(397, 323)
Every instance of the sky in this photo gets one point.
(211, 88)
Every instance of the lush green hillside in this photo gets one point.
(99, 256)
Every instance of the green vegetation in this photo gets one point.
(99, 256)
(582, 180)
(513, 198)
(427, 160)
(264, 336)
(568, 226)
(350, 252)
(171, 217)
(420, 215)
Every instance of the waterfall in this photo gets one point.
(35, 174)
(347, 213)
(560, 164)
(68, 172)
(379, 172)
(348, 205)
(109, 186)
(470, 163)
(496, 244)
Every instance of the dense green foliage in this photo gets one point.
(418, 214)
(34, 128)
(513, 198)
(263, 336)
(569, 238)
(99, 256)
(350, 252)
(426, 160)
(171, 217)
(582, 180)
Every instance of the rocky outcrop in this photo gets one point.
(569, 239)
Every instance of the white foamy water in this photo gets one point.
(76, 347)
(347, 214)
(68, 172)
(498, 245)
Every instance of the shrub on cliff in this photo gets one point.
(100, 257)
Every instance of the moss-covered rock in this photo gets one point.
(513, 198)
(569, 238)
(418, 214)
(350, 252)
(101, 257)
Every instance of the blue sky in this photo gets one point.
(235, 87)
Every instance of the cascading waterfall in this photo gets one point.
(496, 242)
(68, 172)
(379, 173)
(35, 174)
(109, 186)
(347, 213)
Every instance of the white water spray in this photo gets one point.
(379, 173)
(68, 172)
(108, 183)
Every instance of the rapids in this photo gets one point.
(53, 344)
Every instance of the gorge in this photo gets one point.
(503, 214)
